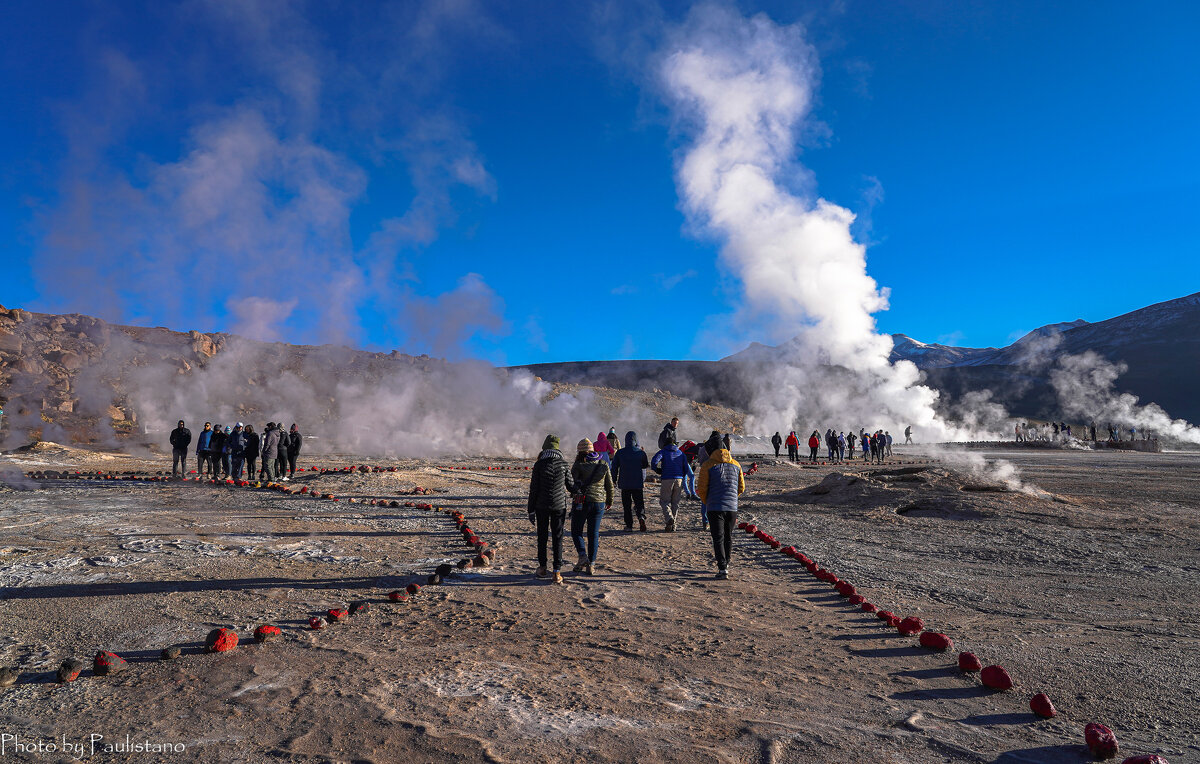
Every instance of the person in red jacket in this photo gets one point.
(793, 444)
(814, 442)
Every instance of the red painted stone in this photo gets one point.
(220, 640)
(337, 614)
(1040, 704)
(266, 632)
(316, 623)
(105, 663)
(910, 626)
(398, 596)
(933, 640)
(969, 663)
(413, 588)
(1101, 741)
(996, 678)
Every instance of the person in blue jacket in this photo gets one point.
(628, 466)
(671, 464)
(202, 446)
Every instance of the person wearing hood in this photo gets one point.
(253, 447)
(181, 438)
(841, 444)
(237, 450)
(814, 443)
(614, 443)
(550, 491)
(281, 452)
(776, 442)
(594, 495)
(227, 453)
(270, 447)
(628, 467)
(216, 448)
(295, 439)
(720, 484)
(793, 445)
(603, 449)
(202, 442)
(672, 466)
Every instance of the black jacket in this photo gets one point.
(550, 485)
(217, 444)
(284, 440)
(294, 441)
(181, 438)
(667, 431)
(252, 445)
(776, 441)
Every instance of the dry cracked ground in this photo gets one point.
(1083, 587)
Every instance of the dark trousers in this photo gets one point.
(280, 466)
(292, 464)
(214, 464)
(590, 515)
(550, 528)
(794, 453)
(226, 465)
(813, 453)
(202, 463)
(237, 466)
(634, 500)
(776, 451)
(720, 524)
(179, 459)
(250, 460)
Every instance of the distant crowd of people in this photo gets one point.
(585, 489)
(224, 452)
(1053, 432)
(875, 447)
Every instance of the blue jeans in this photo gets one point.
(590, 515)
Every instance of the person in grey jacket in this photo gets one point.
(270, 447)
(720, 484)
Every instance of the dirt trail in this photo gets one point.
(649, 660)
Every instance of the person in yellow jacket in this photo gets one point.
(719, 485)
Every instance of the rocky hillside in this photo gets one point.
(74, 378)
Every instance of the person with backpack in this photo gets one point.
(181, 438)
(720, 484)
(593, 495)
(793, 446)
(295, 440)
(841, 446)
(908, 435)
(550, 490)
(628, 467)
(673, 468)
(604, 449)
(690, 451)
(776, 442)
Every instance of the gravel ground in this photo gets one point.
(1082, 585)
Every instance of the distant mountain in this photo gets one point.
(1160, 344)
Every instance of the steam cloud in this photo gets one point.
(741, 90)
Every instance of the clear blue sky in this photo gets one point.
(223, 166)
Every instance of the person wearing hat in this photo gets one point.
(550, 491)
(593, 495)
(202, 442)
(181, 438)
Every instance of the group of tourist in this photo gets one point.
(586, 488)
(874, 446)
(224, 452)
(1053, 432)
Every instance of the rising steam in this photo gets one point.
(741, 91)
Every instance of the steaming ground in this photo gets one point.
(1084, 591)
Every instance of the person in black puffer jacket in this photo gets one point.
(550, 490)
(295, 439)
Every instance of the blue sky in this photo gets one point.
(498, 179)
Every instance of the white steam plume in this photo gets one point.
(742, 90)
(1084, 384)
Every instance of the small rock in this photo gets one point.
(398, 596)
(969, 663)
(337, 614)
(1040, 704)
(490, 553)
(170, 653)
(8, 676)
(1101, 741)
(266, 632)
(481, 561)
(413, 588)
(220, 640)
(69, 670)
(433, 579)
(444, 569)
(360, 607)
(105, 663)
(910, 626)
(316, 623)
(932, 640)
(464, 563)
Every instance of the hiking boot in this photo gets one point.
(579, 566)
(629, 528)
(558, 579)
(670, 526)
(642, 524)
(722, 574)
(541, 571)
(588, 570)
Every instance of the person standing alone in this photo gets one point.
(181, 438)
(295, 439)
(776, 442)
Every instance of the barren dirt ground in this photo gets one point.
(1084, 588)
